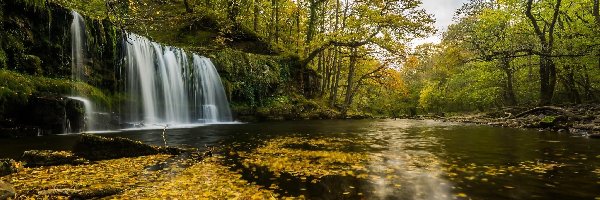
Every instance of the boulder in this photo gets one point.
(94, 147)
(80, 193)
(75, 115)
(53, 114)
(8, 166)
(595, 136)
(7, 191)
(36, 158)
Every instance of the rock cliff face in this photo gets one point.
(44, 116)
(36, 40)
(35, 49)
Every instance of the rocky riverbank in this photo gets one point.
(581, 119)
(100, 167)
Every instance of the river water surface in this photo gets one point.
(386, 159)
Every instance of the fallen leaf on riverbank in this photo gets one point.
(205, 180)
(307, 157)
(118, 174)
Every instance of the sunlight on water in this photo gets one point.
(408, 172)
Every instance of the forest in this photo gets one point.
(497, 54)
(357, 57)
(360, 58)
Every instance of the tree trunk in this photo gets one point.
(312, 18)
(547, 80)
(233, 10)
(596, 12)
(187, 6)
(547, 68)
(587, 86)
(336, 78)
(276, 21)
(511, 98)
(298, 31)
(320, 66)
(272, 21)
(327, 76)
(255, 15)
(569, 82)
(350, 81)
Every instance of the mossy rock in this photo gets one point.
(94, 148)
(80, 193)
(7, 191)
(8, 166)
(552, 121)
(36, 158)
(3, 58)
(31, 64)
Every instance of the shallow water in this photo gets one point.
(386, 159)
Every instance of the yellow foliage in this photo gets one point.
(205, 180)
(115, 174)
(279, 156)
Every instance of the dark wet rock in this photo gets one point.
(106, 121)
(19, 132)
(8, 166)
(48, 113)
(94, 147)
(75, 115)
(576, 119)
(7, 191)
(36, 158)
(595, 136)
(44, 115)
(80, 193)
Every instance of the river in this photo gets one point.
(386, 159)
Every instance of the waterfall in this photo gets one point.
(78, 50)
(77, 47)
(89, 112)
(164, 87)
(215, 107)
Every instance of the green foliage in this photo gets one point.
(493, 57)
(3, 58)
(548, 119)
(31, 64)
(90, 8)
(14, 87)
(37, 5)
(17, 88)
(251, 78)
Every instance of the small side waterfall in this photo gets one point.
(78, 50)
(77, 47)
(89, 112)
(166, 88)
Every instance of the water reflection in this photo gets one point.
(406, 167)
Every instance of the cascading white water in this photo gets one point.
(89, 112)
(165, 88)
(77, 47)
(215, 105)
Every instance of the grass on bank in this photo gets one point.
(17, 87)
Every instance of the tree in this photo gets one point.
(547, 68)
(188, 8)
(492, 35)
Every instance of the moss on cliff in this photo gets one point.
(18, 88)
(266, 86)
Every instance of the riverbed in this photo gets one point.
(384, 159)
